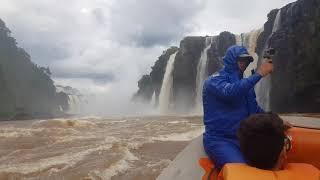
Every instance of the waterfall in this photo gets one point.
(74, 104)
(249, 40)
(75, 99)
(264, 86)
(60, 108)
(238, 40)
(166, 87)
(153, 99)
(276, 23)
(202, 73)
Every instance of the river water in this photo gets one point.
(93, 148)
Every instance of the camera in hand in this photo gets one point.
(269, 53)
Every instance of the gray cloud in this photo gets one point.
(78, 36)
(99, 15)
(47, 53)
(99, 78)
(104, 46)
(234, 15)
(152, 22)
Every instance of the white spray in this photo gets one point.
(166, 87)
(202, 73)
(264, 86)
(249, 40)
(153, 99)
(75, 104)
(239, 40)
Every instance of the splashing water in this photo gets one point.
(93, 148)
(166, 87)
(238, 40)
(249, 40)
(74, 104)
(264, 85)
(202, 73)
(277, 22)
(153, 99)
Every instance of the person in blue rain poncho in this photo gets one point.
(228, 98)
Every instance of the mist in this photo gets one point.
(103, 47)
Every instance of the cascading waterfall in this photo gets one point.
(264, 86)
(166, 87)
(202, 73)
(277, 22)
(239, 40)
(76, 101)
(249, 40)
(153, 99)
(74, 104)
(60, 108)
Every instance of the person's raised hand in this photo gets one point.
(265, 69)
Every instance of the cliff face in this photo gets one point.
(151, 83)
(267, 30)
(159, 69)
(70, 99)
(186, 62)
(25, 88)
(217, 50)
(146, 89)
(295, 82)
(185, 69)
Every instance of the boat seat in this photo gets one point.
(304, 154)
(208, 167)
(293, 171)
(305, 146)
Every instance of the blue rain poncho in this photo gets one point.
(228, 98)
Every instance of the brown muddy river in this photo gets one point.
(93, 148)
(135, 148)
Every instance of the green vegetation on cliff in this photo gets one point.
(25, 88)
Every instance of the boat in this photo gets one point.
(305, 149)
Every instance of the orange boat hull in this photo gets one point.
(305, 146)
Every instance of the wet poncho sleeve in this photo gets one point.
(221, 87)
(254, 108)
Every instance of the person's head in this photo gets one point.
(262, 141)
(243, 63)
(237, 58)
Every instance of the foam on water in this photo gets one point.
(117, 167)
(63, 123)
(187, 136)
(66, 160)
(14, 133)
(91, 148)
(177, 122)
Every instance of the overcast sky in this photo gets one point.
(104, 46)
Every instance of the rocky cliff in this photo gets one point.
(26, 90)
(185, 69)
(295, 83)
(151, 83)
(187, 59)
(71, 99)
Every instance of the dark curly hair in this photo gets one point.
(261, 138)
